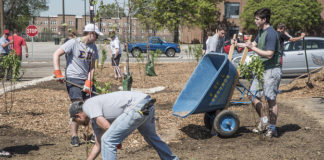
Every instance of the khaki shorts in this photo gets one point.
(271, 83)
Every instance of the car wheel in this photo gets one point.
(136, 52)
(170, 52)
(226, 123)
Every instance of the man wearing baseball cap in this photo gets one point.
(80, 54)
(116, 115)
(4, 48)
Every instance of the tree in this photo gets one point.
(296, 14)
(172, 14)
(111, 10)
(17, 13)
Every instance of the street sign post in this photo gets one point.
(32, 31)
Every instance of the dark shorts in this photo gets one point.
(76, 93)
(115, 61)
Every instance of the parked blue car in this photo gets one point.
(156, 43)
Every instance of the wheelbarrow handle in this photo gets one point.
(74, 84)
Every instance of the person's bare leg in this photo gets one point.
(273, 111)
(74, 128)
(258, 106)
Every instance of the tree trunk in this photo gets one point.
(176, 34)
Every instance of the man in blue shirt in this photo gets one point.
(4, 48)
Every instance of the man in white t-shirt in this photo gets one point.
(116, 115)
(80, 54)
(115, 54)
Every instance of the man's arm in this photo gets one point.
(103, 123)
(7, 44)
(56, 58)
(263, 53)
(26, 50)
(293, 39)
(96, 148)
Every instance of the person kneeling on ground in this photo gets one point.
(116, 115)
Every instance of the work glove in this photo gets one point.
(58, 76)
(119, 146)
(87, 86)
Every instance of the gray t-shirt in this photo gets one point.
(78, 57)
(111, 105)
(215, 44)
(5, 50)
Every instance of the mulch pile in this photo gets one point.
(299, 89)
(44, 108)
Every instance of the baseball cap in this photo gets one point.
(92, 28)
(6, 31)
(75, 108)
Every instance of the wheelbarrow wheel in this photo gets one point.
(226, 123)
(209, 119)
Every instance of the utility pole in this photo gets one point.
(1, 17)
(63, 19)
(85, 12)
(91, 11)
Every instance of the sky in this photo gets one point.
(75, 7)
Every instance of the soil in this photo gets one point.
(37, 127)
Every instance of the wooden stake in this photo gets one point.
(237, 75)
(231, 51)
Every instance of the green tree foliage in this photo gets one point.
(17, 13)
(172, 14)
(296, 14)
(110, 10)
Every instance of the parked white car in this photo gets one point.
(294, 62)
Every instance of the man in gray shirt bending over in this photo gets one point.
(217, 42)
(116, 115)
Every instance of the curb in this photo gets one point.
(25, 84)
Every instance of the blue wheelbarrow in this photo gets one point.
(208, 91)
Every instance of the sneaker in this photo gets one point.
(75, 142)
(92, 138)
(260, 128)
(271, 133)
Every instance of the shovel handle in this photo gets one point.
(74, 84)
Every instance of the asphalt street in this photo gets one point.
(40, 62)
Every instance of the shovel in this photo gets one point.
(308, 83)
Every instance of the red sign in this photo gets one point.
(31, 31)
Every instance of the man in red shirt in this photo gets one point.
(17, 43)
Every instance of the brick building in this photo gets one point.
(230, 10)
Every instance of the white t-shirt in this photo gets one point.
(115, 45)
(78, 58)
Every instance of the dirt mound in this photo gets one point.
(298, 88)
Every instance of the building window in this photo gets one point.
(103, 30)
(70, 23)
(231, 31)
(45, 22)
(53, 29)
(53, 22)
(109, 24)
(142, 30)
(232, 10)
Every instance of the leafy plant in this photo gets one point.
(154, 55)
(11, 66)
(99, 88)
(103, 56)
(197, 50)
(253, 69)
